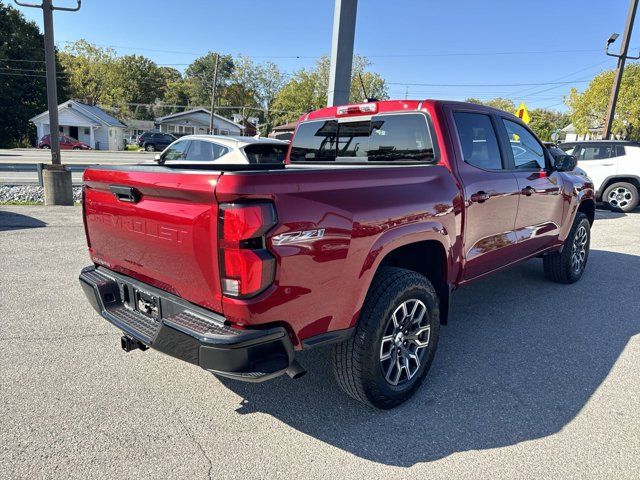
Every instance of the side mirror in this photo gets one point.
(565, 163)
(157, 158)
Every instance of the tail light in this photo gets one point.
(246, 267)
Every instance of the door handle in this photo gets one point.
(125, 194)
(480, 197)
(528, 191)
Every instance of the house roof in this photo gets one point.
(92, 112)
(285, 127)
(196, 110)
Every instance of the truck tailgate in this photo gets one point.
(157, 226)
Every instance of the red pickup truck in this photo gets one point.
(380, 211)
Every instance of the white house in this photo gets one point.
(570, 134)
(197, 122)
(87, 123)
(135, 128)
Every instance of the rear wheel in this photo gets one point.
(150, 147)
(76, 148)
(568, 265)
(621, 197)
(386, 360)
(45, 147)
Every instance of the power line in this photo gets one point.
(482, 84)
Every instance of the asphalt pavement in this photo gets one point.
(531, 380)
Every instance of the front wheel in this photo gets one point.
(568, 265)
(150, 147)
(395, 341)
(621, 197)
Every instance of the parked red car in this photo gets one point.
(66, 143)
(382, 210)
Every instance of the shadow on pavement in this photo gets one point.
(17, 221)
(520, 358)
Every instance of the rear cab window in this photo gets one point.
(395, 138)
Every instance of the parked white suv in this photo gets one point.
(614, 167)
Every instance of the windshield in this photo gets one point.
(384, 138)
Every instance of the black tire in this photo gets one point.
(357, 362)
(150, 147)
(621, 197)
(560, 266)
(45, 147)
(76, 148)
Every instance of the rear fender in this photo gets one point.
(393, 239)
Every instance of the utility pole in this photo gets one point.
(213, 94)
(622, 57)
(56, 180)
(344, 31)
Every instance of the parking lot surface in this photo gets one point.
(532, 380)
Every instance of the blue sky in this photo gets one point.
(441, 43)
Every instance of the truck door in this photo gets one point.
(541, 202)
(490, 192)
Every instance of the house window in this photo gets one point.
(87, 132)
(224, 132)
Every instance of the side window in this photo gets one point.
(527, 151)
(175, 151)
(201, 151)
(596, 152)
(478, 140)
(619, 151)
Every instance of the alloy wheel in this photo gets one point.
(620, 197)
(579, 249)
(404, 342)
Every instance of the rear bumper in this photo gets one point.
(186, 331)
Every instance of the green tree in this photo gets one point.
(307, 89)
(505, 104)
(545, 122)
(94, 76)
(139, 81)
(23, 90)
(199, 76)
(588, 109)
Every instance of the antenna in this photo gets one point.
(364, 90)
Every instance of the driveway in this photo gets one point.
(532, 380)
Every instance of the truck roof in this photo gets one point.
(389, 106)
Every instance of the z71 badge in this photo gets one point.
(298, 237)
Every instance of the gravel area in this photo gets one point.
(30, 193)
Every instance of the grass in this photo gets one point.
(20, 202)
(132, 148)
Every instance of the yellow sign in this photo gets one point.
(522, 113)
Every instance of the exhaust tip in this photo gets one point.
(295, 370)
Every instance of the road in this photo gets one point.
(69, 157)
(532, 380)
